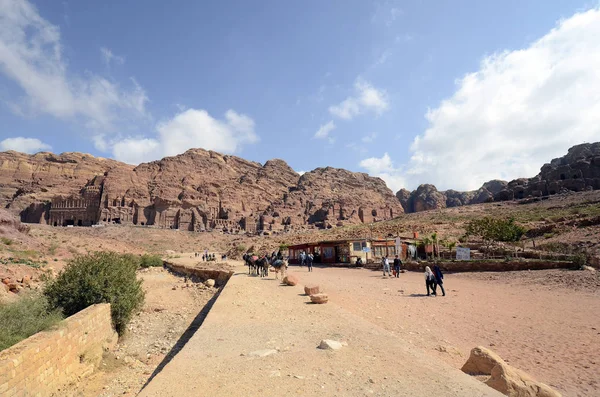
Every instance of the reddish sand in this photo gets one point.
(550, 331)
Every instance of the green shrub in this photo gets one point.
(150, 261)
(579, 260)
(99, 277)
(6, 241)
(25, 317)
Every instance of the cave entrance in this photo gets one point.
(117, 221)
(70, 222)
(79, 222)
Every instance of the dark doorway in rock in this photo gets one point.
(70, 222)
(79, 222)
(142, 223)
(117, 221)
(55, 223)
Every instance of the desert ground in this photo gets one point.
(547, 329)
(543, 322)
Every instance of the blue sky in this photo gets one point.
(445, 92)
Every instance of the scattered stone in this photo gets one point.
(588, 269)
(290, 280)
(448, 349)
(319, 298)
(262, 353)
(298, 377)
(275, 374)
(506, 379)
(328, 344)
(311, 289)
(210, 283)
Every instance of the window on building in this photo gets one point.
(356, 246)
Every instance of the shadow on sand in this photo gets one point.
(186, 336)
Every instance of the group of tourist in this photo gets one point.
(206, 257)
(307, 259)
(433, 278)
(386, 266)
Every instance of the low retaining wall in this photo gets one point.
(198, 274)
(485, 266)
(47, 361)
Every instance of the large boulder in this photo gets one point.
(311, 289)
(502, 377)
(291, 280)
(319, 298)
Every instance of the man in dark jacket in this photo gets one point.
(439, 279)
(397, 263)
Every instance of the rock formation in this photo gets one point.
(579, 170)
(506, 379)
(197, 190)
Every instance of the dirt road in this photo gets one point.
(254, 317)
(550, 331)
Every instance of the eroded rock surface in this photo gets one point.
(578, 170)
(197, 190)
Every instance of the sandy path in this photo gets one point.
(552, 333)
(252, 314)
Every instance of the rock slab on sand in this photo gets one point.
(311, 289)
(328, 344)
(504, 378)
(319, 298)
(290, 280)
(263, 353)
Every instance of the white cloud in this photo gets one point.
(518, 111)
(25, 145)
(31, 56)
(191, 128)
(384, 168)
(324, 130)
(108, 56)
(367, 99)
(369, 138)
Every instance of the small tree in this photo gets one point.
(450, 244)
(492, 230)
(99, 277)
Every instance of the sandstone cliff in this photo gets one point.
(578, 170)
(197, 190)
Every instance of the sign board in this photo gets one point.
(366, 249)
(463, 254)
(398, 246)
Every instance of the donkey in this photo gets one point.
(279, 265)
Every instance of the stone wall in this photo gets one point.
(220, 276)
(47, 361)
(485, 265)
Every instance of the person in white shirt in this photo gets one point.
(386, 266)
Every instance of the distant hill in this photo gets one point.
(578, 170)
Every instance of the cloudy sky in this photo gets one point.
(421, 91)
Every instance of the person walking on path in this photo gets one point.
(302, 258)
(386, 266)
(429, 280)
(397, 263)
(439, 279)
(309, 261)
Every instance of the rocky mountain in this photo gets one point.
(427, 197)
(197, 190)
(578, 170)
